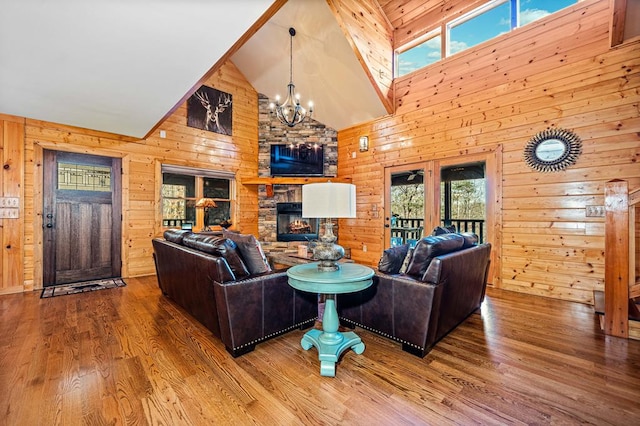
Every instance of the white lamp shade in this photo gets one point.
(328, 200)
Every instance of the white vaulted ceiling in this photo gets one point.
(325, 67)
(121, 65)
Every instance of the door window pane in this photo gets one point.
(462, 198)
(407, 207)
(80, 177)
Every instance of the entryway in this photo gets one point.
(455, 192)
(82, 221)
(423, 196)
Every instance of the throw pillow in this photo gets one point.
(175, 235)
(221, 247)
(250, 250)
(430, 247)
(470, 239)
(392, 258)
(439, 230)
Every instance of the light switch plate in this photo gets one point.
(594, 211)
(10, 202)
(9, 213)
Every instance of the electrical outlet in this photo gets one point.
(364, 248)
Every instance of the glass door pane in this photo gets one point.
(405, 211)
(463, 198)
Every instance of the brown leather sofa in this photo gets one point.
(442, 283)
(206, 275)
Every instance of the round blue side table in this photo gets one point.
(330, 343)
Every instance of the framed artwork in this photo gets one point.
(210, 109)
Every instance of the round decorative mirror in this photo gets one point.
(552, 150)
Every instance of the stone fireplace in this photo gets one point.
(291, 226)
(271, 131)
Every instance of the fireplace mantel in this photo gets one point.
(270, 181)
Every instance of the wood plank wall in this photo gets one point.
(557, 72)
(184, 146)
(11, 236)
(370, 35)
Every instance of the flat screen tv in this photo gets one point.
(299, 160)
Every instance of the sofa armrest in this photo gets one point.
(255, 308)
(462, 279)
(396, 306)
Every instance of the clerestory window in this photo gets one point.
(484, 23)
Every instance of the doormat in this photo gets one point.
(82, 287)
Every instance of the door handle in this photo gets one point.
(386, 225)
(49, 225)
(49, 215)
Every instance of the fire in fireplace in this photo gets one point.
(291, 226)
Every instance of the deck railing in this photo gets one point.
(411, 229)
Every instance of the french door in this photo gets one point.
(448, 193)
(82, 217)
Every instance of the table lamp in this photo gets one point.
(328, 200)
(206, 204)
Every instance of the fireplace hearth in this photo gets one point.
(291, 226)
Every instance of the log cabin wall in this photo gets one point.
(557, 72)
(184, 146)
(11, 236)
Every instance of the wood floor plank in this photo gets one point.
(131, 356)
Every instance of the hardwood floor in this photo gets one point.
(129, 356)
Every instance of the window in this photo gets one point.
(480, 25)
(532, 10)
(420, 55)
(484, 23)
(182, 187)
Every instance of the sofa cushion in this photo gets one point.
(430, 247)
(218, 246)
(392, 258)
(175, 235)
(250, 250)
(470, 239)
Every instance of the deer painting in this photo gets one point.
(203, 113)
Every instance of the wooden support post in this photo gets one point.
(616, 259)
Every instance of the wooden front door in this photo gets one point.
(82, 217)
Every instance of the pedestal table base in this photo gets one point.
(329, 341)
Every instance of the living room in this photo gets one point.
(483, 104)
